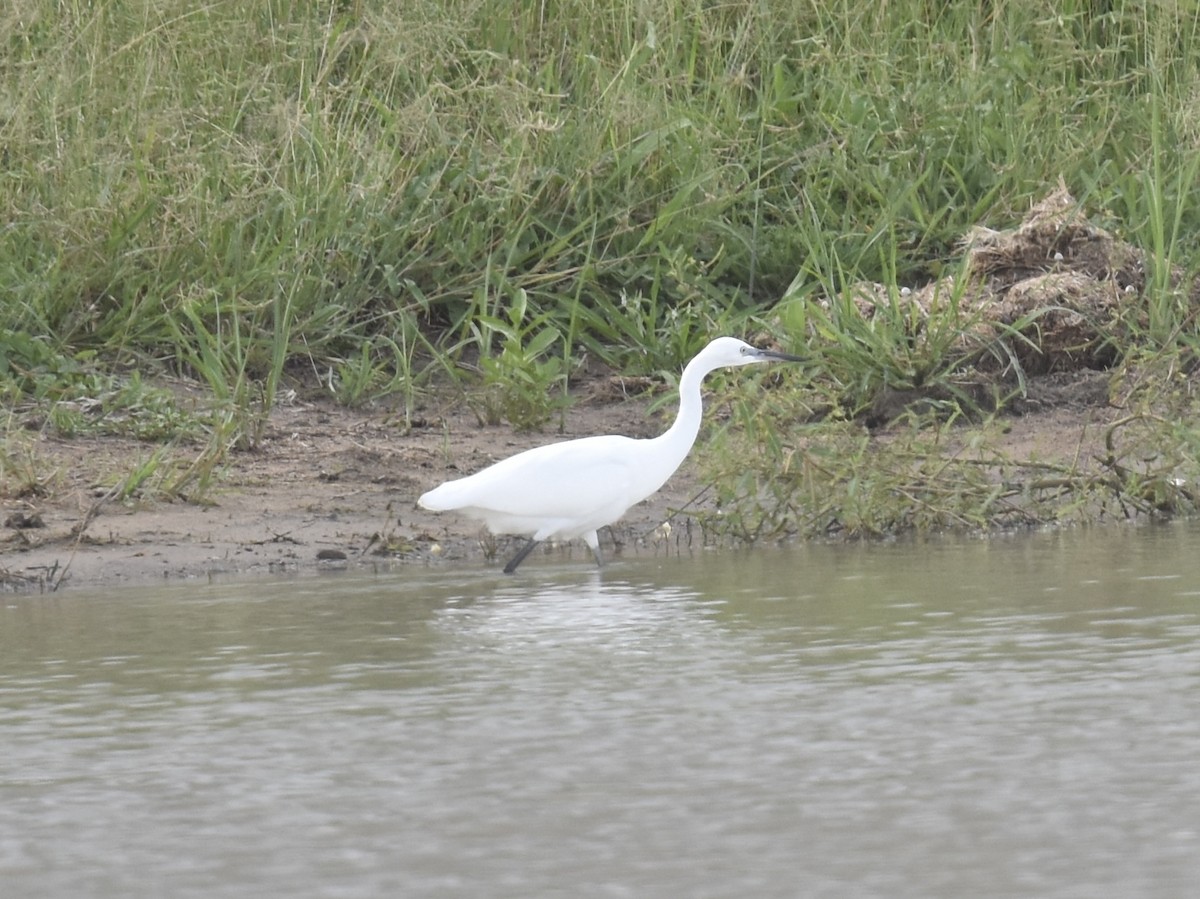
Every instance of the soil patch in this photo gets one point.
(333, 488)
(326, 488)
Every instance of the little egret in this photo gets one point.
(569, 489)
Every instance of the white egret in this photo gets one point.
(569, 489)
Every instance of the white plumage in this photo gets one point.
(570, 489)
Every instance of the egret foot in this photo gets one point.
(519, 557)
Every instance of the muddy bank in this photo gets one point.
(334, 489)
(327, 488)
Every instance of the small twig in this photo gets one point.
(77, 531)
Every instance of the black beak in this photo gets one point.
(780, 357)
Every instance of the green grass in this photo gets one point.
(360, 189)
(838, 480)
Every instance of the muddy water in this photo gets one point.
(1008, 718)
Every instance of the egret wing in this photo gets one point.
(559, 490)
(564, 480)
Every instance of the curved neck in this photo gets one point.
(677, 440)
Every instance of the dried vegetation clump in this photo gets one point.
(1055, 290)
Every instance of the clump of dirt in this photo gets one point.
(1054, 236)
(1054, 290)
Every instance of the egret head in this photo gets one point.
(727, 351)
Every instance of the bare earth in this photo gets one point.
(328, 487)
(333, 488)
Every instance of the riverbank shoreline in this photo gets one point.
(330, 488)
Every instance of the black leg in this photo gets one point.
(519, 557)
